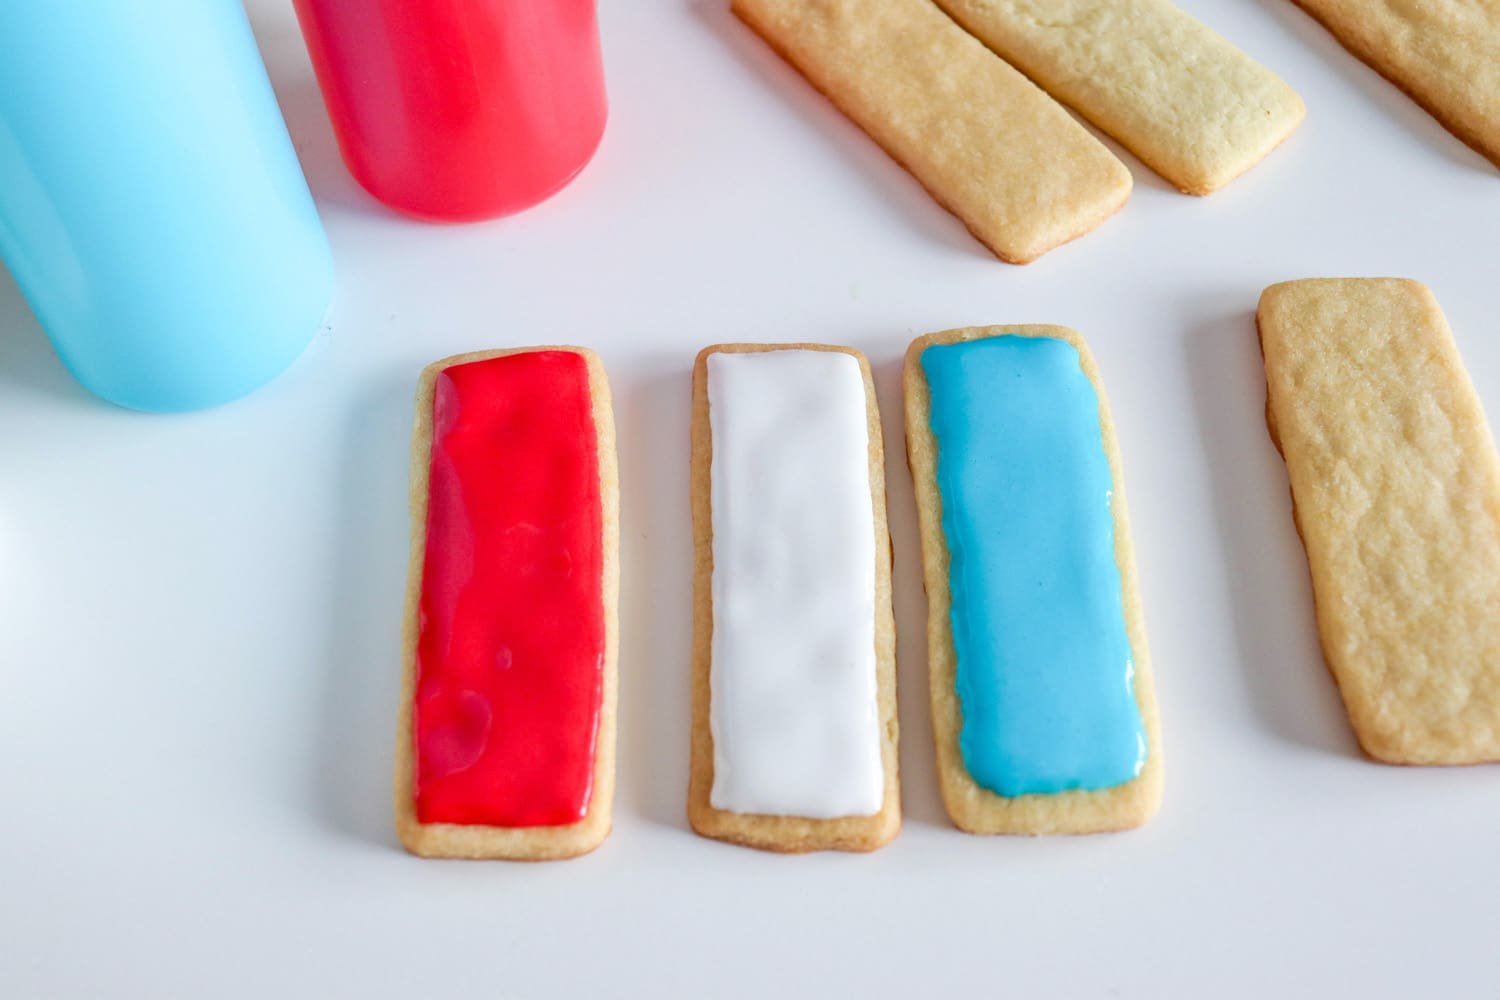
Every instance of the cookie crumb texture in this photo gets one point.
(1396, 493)
(1444, 54)
(989, 145)
(1190, 104)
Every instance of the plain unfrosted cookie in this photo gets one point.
(1193, 107)
(972, 807)
(1396, 491)
(783, 832)
(522, 842)
(1445, 54)
(990, 147)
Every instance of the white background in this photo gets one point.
(199, 614)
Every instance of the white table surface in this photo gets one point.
(199, 614)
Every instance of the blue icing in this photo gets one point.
(1045, 675)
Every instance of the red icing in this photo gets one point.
(511, 648)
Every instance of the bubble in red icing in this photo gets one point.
(454, 733)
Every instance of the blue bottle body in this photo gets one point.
(152, 208)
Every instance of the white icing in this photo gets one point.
(792, 705)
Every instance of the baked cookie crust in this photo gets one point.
(973, 808)
(540, 843)
(787, 834)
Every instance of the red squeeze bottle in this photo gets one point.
(458, 110)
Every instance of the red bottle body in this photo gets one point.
(457, 110)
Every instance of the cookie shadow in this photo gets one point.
(1370, 83)
(1270, 592)
(656, 592)
(355, 744)
(1143, 179)
(921, 801)
(884, 175)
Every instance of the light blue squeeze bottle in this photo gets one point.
(152, 209)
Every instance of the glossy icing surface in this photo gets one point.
(793, 692)
(511, 647)
(1045, 674)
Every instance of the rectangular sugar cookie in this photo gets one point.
(990, 147)
(794, 643)
(1396, 493)
(1193, 107)
(506, 742)
(1043, 707)
(1444, 54)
